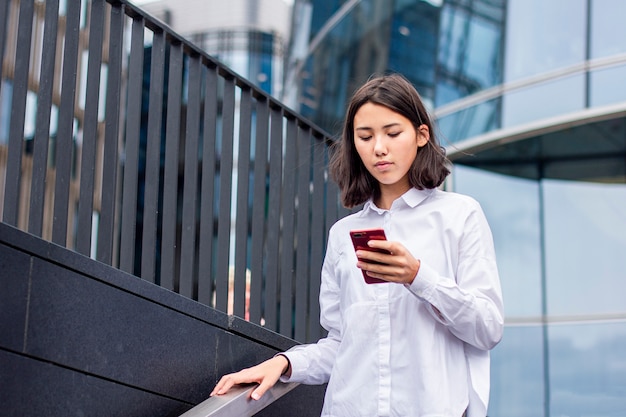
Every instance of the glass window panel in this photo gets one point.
(517, 373)
(543, 36)
(588, 369)
(512, 209)
(470, 122)
(585, 228)
(603, 84)
(544, 100)
(607, 27)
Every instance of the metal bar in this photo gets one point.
(106, 229)
(205, 263)
(90, 131)
(153, 159)
(4, 13)
(304, 234)
(42, 127)
(65, 131)
(237, 401)
(287, 247)
(18, 110)
(225, 175)
(273, 218)
(131, 149)
(243, 211)
(170, 179)
(187, 286)
(317, 237)
(259, 211)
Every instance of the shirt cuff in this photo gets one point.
(424, 283)
(296, 363)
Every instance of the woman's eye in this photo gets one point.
(365, 137)
(394, 134)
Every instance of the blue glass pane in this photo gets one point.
(608, 32)
(512, 209)
(544, 35)
(544, 100)
(517, 374)
(588, 369)
(470, 41)
(585, 228)
(470, 122)
(604, 85)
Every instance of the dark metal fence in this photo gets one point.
(149, 155)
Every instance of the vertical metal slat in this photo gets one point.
(18, 110)
(4, 12)
(131, 153)
(226, 169)
(243, 186)
(273, 218)
(106, 229)
(205, 263)
(170, 179)
(187, 286)
(90, 131)
(42, 127)
(287, 246)
(258, 210)
(304, 235)
(65, 131)
(317, 236)
(153, 159)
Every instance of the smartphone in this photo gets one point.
(359, 241)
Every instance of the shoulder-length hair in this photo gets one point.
(395, 92)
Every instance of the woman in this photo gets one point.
(417, 344)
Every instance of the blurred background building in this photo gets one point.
(250, 36)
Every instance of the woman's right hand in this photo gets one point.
(266, 374)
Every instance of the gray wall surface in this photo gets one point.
(80, 338)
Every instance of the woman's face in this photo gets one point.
(387, 144)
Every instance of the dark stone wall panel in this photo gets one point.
(33, 388)
(14, 275)
(79, 338)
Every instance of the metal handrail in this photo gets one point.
(237, 401)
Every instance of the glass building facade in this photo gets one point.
(530, 99)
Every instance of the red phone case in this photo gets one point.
(359, 241)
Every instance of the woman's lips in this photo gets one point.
(383, 165)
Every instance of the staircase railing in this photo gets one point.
(237, 402)
(123, 141)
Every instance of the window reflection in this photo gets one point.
(607, 28)
(561, 96)
(588, 369)
(585, 240)
(543, 36)
(517, 374)
(514, 220)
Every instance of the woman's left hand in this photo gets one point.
(398, 266)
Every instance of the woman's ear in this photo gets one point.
(423, 135)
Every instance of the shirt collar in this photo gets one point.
(411, 198)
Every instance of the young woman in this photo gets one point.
(418, 343)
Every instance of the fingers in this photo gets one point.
(401, 266)
(224, 384)
(266, 374)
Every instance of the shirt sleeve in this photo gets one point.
(470, 303)
(311, 363)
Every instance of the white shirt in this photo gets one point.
(388, 352)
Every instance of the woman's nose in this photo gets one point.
(380, 148)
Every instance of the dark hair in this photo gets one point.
(395, 92)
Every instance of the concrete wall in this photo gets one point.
(79, 338)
